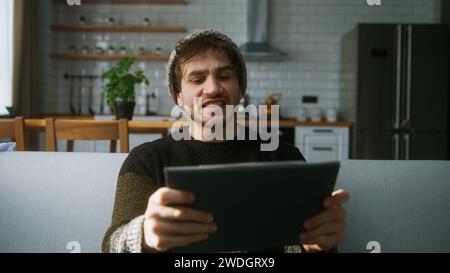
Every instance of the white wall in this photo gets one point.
(6, 54)
(319, 35)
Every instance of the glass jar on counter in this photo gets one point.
(302, 115)
(82, 20)
(110, 20)
(99, 50)
(111, 50)
(158, 50)
(141, 51)
(72, 49)
(332, 115)
(85, 50)
(315, 114)
(123, 50)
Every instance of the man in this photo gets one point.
(149, 217)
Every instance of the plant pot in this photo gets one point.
(124, 109)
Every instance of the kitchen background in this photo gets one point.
(320, 37)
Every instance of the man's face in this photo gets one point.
(211, 77)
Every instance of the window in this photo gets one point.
(6, 54)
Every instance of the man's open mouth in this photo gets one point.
(218, 103)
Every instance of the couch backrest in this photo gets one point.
(59, 202)
(397, 206)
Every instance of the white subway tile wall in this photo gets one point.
(319, 36)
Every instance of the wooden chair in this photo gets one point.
(14, 129)
(72, 130)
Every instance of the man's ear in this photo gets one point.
(180, 99)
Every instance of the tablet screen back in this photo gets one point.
(255, 205)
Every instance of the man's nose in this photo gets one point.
(212, 86)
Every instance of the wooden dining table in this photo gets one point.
(138, 127)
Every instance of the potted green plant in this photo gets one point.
(119, 90)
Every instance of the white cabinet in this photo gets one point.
(319, 144)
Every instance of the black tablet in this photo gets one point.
(255, 205)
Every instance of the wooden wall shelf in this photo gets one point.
(120, 28)
(105, 57)
(145, 2)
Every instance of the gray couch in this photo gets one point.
(58, 202)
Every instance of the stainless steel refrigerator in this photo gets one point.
(403, 92)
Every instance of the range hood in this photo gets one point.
(257, 47)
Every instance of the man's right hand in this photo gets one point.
(170, 223)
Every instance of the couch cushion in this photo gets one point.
(48, 200)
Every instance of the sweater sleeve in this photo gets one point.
(127, 238)
(134, 187)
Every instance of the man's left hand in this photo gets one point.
(327, 229)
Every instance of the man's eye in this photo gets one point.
(196, 80)
(224, 77)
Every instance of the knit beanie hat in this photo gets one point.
(213, 39)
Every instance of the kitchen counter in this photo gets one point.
(295, 123)
(157, 126)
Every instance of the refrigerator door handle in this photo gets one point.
(396, 141)
(398, 74)
(407, 139)
(408, 73)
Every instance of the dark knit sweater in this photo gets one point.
(142, 174)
